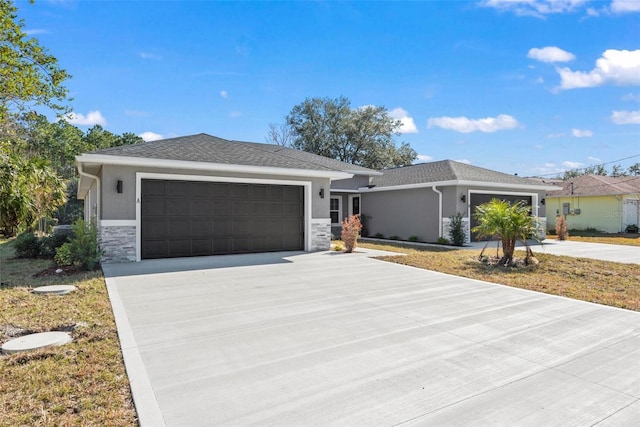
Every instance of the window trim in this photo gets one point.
(339, 210)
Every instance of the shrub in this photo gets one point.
(350, 232)
(82, 249)
(338, 247)
(456, 232)
(379, 236)
(414, 239)
(442, 241)
(631, 228)
(394, 237)
(27, 246)
(561, 228)
(49, 245)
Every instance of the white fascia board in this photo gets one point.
(482, 184)
(205, 166)
(337, 190)
(371, 173)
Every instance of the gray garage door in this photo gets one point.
(479, 199)
(185, 218)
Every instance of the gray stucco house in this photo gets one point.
(201, 195)
(418, 200)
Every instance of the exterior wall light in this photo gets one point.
(321, 193)
(119, 186)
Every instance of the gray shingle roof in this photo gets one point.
(597, 185)
(445, 170)
(211, 149)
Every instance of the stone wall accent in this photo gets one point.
(542, 230)
(466, 227)
(320, 234)
(118, 244)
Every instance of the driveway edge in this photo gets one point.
(144, 398)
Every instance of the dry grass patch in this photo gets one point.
(81, 383)
(590, 280)
(626, 239)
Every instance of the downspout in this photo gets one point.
(620, 212)
(88, 175)
(439, 210)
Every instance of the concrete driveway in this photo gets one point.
(338, 339)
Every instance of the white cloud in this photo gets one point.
(581, 133)
(594, 159)
(92, 118)
(422, 158)
(235, 114)
(150, 136)
(465, 125)
(625, 6)
(626, 117)
(136, 113)
(572, 165)
(538, 8)
(619, 67)
(556, 135)
(465, 161)
(550, 54)
(538, 147)
(631, 97)
(224, 94)
(36, 31)
(148, 55)
(408, 125)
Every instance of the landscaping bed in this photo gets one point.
(81, 383)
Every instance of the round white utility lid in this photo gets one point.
(54, 289)
(36, 341)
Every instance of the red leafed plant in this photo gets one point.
(350, 232)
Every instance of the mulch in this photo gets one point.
(51, 271)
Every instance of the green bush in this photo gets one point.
(456, 232)
(27, 246)
(82, 249)
(414, 239)
(49, 244)
(393, 237)
(631, 228)
(442, 241)
(379, 236)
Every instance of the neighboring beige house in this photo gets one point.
(604, 203)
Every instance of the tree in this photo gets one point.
(361, 136)
(29, 75)
(280, 134)
(617, 171)
(509, 222)
(634, 169)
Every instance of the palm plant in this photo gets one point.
(507, 222)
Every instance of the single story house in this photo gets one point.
(202, 195)
(604, 203)
(418, 200)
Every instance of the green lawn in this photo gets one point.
(82, 383)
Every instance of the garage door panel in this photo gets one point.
(221, 207)
(182, 218)
(200, 206)
(178, 227)
(200, 227)
(153, 207)
(200, 247)
(179, 248)
(176, 207)
(477, 199)
(177, 188)
(221, 226)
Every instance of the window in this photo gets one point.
(334, 210)
(354, 205)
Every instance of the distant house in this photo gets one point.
(418, 200)
(604, 203)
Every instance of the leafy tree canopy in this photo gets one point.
(331, 128)
(29, 75)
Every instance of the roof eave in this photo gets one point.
(103, 159)
(530, 187)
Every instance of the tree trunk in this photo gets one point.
(508, 248)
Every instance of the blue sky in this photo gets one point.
(533, 87)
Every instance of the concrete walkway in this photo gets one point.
(605, 252)
(338, 339)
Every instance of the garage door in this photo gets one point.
(185, 218)
(479, 199)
